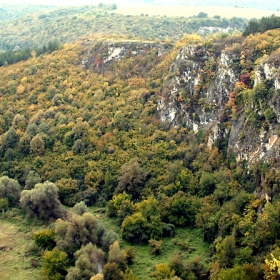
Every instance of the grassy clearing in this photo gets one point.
(15, 237)
(188, 242)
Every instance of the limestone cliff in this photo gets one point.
(210, 87)
(203, 95)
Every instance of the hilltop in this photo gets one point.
(69, 24)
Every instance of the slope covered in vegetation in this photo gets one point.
(84, 126)
(9, 12)
(67, 24)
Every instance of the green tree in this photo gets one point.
(149, 208)
(207, 183)
(132, 179)
(54, 265)
(226, 252)
(183, 209)
(134, 229)
(202, 15)
(79, 147)
(126, 209)
(37, 145)
(235, 273)
(8, 139)
(162, 272)
(31, 180)
(118, 199)
(67, 188)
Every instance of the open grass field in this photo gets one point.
(187, 11)
(15, 263)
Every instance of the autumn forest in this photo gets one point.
(97, 181)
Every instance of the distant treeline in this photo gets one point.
(11, 57)
(262, 25)
(52, 46)
(16, 55)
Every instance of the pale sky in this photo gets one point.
(63, 2)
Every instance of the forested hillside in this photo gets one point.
(67, 24)
(12, 12)
(271, 5)
(169, 147)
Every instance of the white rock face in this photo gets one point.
(264, 71)
(114, 53)
(189, 63)
(212, 98)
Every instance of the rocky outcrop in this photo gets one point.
(200, 90)
(201, 93)
(103, 54)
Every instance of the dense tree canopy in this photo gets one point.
(89, 129)
(262, 25)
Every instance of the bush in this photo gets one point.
(44, 238)
(42, 202)
(235, 273)
(168, 230)
(163, 271)
(10, 190)
(75, 231)
(4, 204)
(155, 247)
(130, 255)
(111, 271)
(270, 115)
(80, 208)
(90, 260)
(118, 256)
(108, 239)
